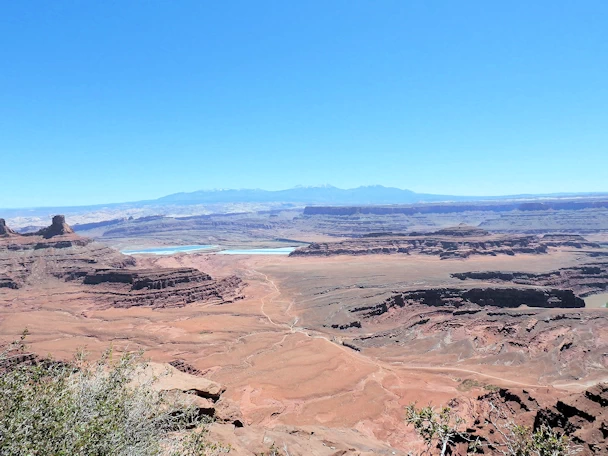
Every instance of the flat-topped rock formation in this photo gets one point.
(460, 241)
(442, 208)
(146, 279)
(476, 297)
(444, 246)
(515, 217)
(56, 252)
(568, 240)
(162, 287)
(585, 279)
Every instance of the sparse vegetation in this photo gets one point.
(106, 407)
(518, 440)
(439, 429)
(443, 429)
(468, 384)
(274, 451)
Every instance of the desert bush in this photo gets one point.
(518, 440)
(274, 451)
(107, 407)
(442, 429)
(437, 428)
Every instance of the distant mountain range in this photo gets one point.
(257, 199)
(329, 195)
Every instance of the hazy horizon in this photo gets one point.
(304, 187)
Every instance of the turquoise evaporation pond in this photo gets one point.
(277, 251)
(169, 250)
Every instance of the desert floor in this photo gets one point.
(271, 349)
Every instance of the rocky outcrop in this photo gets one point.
(460, 241)
(585, 279)
(443, 246)
(5, 231)
(569, 240)
(110, 277)
(147, 279)
(557, 337)
(7, 282)
(482, 297)
(58, 228)
(582, 417)
(55, 252)
(168, 287)
(204, 394)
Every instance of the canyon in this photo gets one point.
(110, 278)
(318, 352)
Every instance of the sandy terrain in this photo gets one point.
(271, 349)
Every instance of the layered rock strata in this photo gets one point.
(584, 280)
(556, 344)
(442, 208)
(569, 240)
(455, 242)
(110, 277)
(161, 287)
(476, 297)
(557, 338)
(582, 417)
(430, 245)
(7, 282)
(54, 252)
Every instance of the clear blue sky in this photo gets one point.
(107, 101)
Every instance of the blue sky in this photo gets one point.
(119, 101)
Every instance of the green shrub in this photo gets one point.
(437, 428)
(442, 430)
(106, 407)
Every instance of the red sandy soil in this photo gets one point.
(270, 349)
